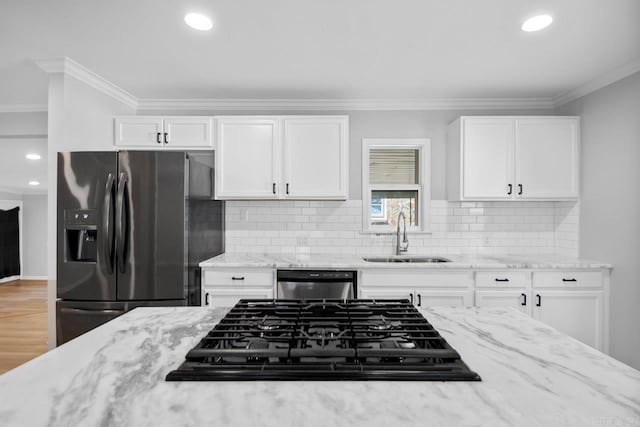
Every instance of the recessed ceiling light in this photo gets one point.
(198, 21)
(33, 156)
(537, 23)
(34, 183)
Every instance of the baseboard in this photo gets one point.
(9, 279)
(34, 278)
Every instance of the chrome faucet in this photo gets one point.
(401, 247)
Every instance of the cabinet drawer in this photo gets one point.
(249, 277)
(567, 279)
(501, 279)
(416, 278)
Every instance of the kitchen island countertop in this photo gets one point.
(532, 375)
(252, 260)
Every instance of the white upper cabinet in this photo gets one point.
(137, 131)
(315, 158)
(547, 158)
(298, 157)
(513, 158)
(188, 132)
(152, 132)
(247, 158)
(487, 158)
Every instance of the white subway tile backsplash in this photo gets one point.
(470, 228)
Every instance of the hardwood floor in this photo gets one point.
(23, 322)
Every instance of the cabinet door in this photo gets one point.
(547, 158)
(315, 158)
(446, 298)
(576, 313)
(395, 293)
(487, 158)
(138, 132)
(515, 298)
(247, 158)
(192, 132)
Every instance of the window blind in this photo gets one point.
(393, 166)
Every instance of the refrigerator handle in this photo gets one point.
(107, 226)
(120, 222)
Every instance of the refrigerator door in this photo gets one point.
(85, 213)
(150, 226)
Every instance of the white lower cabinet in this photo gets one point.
(423, 297)
(223, 287)
(221, 297)
(514, 298)
(577, 313)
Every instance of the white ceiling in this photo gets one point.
(419, 49)
(16, 170)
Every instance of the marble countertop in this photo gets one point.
(532, 375)
(251, 260)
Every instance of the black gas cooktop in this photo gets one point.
(323, 340)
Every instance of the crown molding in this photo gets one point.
(342, 104)
(72, 68)
(23, 108)
(598, 83)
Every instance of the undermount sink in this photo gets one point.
(406, 259)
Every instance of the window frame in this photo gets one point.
(423, 146)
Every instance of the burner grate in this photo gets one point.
(323, 340)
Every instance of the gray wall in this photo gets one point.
(34, 236)
(610, 201)
(388, 124)
(23, 123)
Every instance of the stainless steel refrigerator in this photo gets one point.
(132, 227)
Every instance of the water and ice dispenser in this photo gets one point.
(80, 235)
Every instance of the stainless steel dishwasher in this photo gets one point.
(311, 284)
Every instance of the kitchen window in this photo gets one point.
(394, 180)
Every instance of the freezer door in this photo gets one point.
(85, 228)
(150, 226)
(73, 320)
